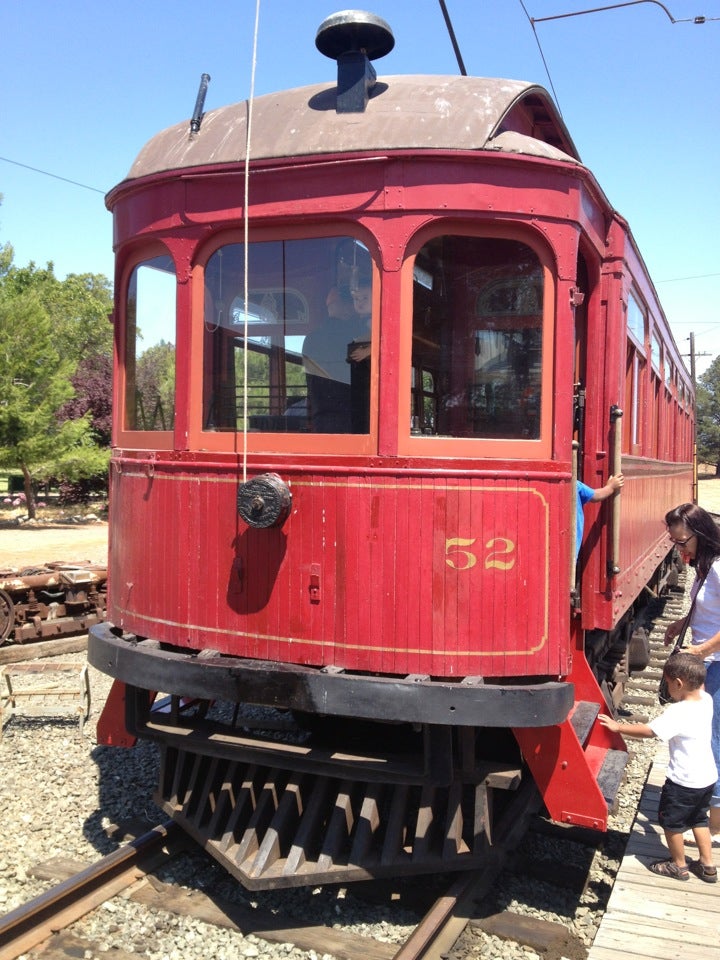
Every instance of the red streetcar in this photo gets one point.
(356, 383)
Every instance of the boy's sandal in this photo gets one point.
(708, 874)
(666, 868)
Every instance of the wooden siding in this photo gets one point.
(436, 575)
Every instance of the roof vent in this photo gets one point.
(354, 38)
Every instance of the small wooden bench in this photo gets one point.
(62, 688)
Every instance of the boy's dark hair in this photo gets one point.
(685, 667)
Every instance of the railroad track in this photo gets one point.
(55, 910)
(449, 928)
(33, 922)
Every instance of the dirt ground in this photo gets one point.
(35, 545)
(709, 494)
(28, 545)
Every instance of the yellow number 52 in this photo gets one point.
(500, 557)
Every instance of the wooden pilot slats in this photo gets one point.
(270, 827)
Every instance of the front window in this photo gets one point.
(288, 351)
(150, 346)
(477, 339)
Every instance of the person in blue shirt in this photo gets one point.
(586, 494)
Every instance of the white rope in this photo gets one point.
(246, 237)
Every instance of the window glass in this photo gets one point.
(669, 372)
(636, 322)
(150, 346)
(308, 323)
(477, 339)
(634, 392)
(655, 352)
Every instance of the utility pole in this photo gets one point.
(693, 377)
(692, 360)
(694, 439)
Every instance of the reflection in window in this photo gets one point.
(149, 347)
(655, 352)
(309, 305)
(636, 322)
(669, 372)
(477, 339)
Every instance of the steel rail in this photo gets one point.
(35, 921)
(446, 919)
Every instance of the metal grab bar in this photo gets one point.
(613, 568)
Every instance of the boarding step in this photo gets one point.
(611, 775)
(582, 719)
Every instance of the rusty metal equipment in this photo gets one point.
(51, 600)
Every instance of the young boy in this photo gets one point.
(685, 798)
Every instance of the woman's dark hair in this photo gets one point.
(699, 522)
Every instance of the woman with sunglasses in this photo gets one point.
(697, 536)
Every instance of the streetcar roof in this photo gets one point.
(403, 113)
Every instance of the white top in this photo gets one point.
(685, 726)
(705, 621)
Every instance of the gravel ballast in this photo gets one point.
(62, 796)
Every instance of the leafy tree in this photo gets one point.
(708, 416)
(48, 327)
(155, 387)
(78, 305)
(6, 254)
(93, 395)
(34, 383)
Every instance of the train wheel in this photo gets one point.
(7, 616)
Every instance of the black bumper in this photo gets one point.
(145, 665)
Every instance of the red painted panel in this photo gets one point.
(399, 575)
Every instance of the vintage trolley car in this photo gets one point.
(363, 353)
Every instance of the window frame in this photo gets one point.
(124, 437)
(363, 444)
(427, 446)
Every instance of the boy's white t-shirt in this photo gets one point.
(686, 726)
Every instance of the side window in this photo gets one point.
(150, 346)
(477, 339)
(635, 375)
(307, 327)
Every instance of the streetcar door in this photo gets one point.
(579, 381)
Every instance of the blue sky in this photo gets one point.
(85, 85)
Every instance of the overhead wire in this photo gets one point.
(627, 3)
(698, 276)
(578, 13)
(542, 56)
(55, 176)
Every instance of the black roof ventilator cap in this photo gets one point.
(353, 38)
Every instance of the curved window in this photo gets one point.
(477, 339)
(306, 323)
(150, 346)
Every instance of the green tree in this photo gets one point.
(79, 307)
(47, 327)
(6, 254)
(155, 385)
(708, 416)
(34, 383)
